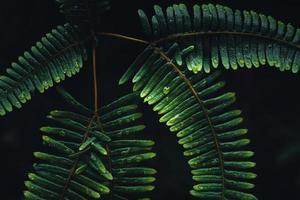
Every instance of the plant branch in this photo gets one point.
(205, 111)
(73, 169)
(115, 35)
(192, 34)
(95, 118)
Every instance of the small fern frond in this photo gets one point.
(92, 156)
(80, 12)
(58, 55)
(225, 37)
(208, 128)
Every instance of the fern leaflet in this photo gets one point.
(196, 108)
(58, 55)
(93, 157)
(225, 37)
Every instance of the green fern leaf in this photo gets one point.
(196, 108)
(225, 37)
(83, 12)
(92, 158)
(58, 55)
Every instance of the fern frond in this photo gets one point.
(58, 55)
(82, 12)
(93, 157)
(200, 112)
(225, 37)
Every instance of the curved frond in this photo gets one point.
(83, 12)
(92, 157)
(196, 108)
(225, 37)
(59, 54)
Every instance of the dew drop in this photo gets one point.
(45, 83)
(166, 90)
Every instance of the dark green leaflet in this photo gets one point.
(58, 55)
(108, 162)
(199, 111)
(226, 37)
(82, 12)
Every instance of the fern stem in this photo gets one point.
(205, 111)
(95, 82)
(73, 169)
(192, 34)
(129, 38)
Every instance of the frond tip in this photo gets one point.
(225, 37)
(58, 55)
(195, 107)
(93, 156)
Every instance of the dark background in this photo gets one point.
(270, 100)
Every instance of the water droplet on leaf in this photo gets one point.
(166, 90)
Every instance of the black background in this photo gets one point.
(270, 99)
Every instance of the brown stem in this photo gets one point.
(206, 113)
(94, 118)
(115, 35)
(73, 169)
(199, 33)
